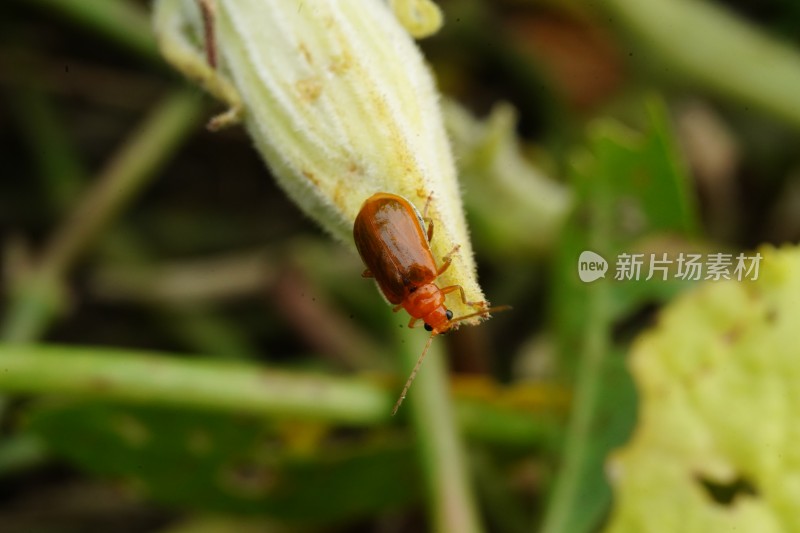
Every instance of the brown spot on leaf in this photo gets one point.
(309, 89)
(101, 384)
(306, 53)
(355, 168)
(131, 430)
(733, 334)
(307, 174)
(248, 479)
(341, 63)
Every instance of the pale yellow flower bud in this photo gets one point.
(338, 101)
(421, 18)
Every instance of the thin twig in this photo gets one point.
(451, 495)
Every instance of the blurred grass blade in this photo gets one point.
(451, 498)
(236, 387)
(209, 384)
(37, 298)
(716, 50)
(629, 187)
(57, 161)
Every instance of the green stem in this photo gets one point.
(709, 46)
(564, 500)
(238, 387)
(145, 378)
(126, 175)
(61, 170)
(494, 423)
(439, 443)
(37, 298)
(120, 21)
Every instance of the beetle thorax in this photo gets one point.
(427, 303)
(424, 300)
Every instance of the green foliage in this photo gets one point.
(227, 464)
(171, 245)
(628, 186)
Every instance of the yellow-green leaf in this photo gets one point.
(716, 445)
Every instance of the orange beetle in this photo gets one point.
(389, 236)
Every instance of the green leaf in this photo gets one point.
(629, 187)
(222, 463)
(715, 448)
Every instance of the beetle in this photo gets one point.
(389, 235)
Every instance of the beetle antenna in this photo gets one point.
(483, 312)
(413, 374)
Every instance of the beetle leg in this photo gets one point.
(367, 274)
(412, 322)
(460, 289)
(427, 206)
(430, 228)
(428, 219)
(450, 254)
(397, 307)
(446, 260)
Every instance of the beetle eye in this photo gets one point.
(448, 314)
(428, 327)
